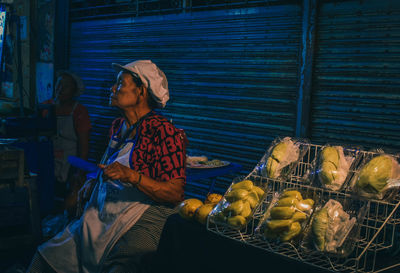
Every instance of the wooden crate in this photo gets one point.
(12, 164)
(19, 215)
(14, 207)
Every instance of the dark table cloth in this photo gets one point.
(187, 246)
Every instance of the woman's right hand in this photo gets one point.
(84, 195)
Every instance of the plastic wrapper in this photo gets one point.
(281, 158)
(334, 227)
(286, 216)
(238, 204)
(334, 166)
(378, 176)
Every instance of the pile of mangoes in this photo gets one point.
(239, 204)
(198, 210)
(286, 216)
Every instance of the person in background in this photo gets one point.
(72, 138)
(139, 184)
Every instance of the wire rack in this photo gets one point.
(377, 237)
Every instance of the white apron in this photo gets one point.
(113, 209)
(65, 144)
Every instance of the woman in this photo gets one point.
(142, 179)
(72, 139)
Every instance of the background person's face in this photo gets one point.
(65, 88)
(124, 93)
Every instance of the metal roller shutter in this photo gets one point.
(356, 94)
(233, 74)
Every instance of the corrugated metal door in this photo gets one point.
(233, 74)
(356, 94)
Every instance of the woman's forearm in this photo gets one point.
(171, 191)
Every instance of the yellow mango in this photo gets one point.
(278, 225)
(260, 192)
(287, 202)
(309, 201)
(213, 198)
(282, 212)
(294, 230)
(245, 185)
(272, 167)
(237, 194)
(237, 221)
(299, 216)
(292, 193)
(279, 151)
(188, 207)
(234, 208)
(305, 205)
(374, 175)
(202, 213)
(246, 211)
(328, 172)
(330, 154)
(319, 227)
(253, 199)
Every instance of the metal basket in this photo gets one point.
(376, 236)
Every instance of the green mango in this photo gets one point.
(245, 185)
(253, 199)
(279, 151)
(294, 230)
(278, 225)
(246, 211)
(330, 154)
(234, 208)
(374, 175)
(272, 166)
(292, 193)
(237, 221)
(299, 216)
(287, 202)
(260, 192)
(282, 212)
(319, 227)
(238, 194)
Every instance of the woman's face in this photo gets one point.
(65, 88)
(124, 93)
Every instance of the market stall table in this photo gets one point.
(187, 246)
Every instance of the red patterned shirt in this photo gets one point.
(160, 151)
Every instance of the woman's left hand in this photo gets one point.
(118, 171)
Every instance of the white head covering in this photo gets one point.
(152, 77)
(79, 83)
